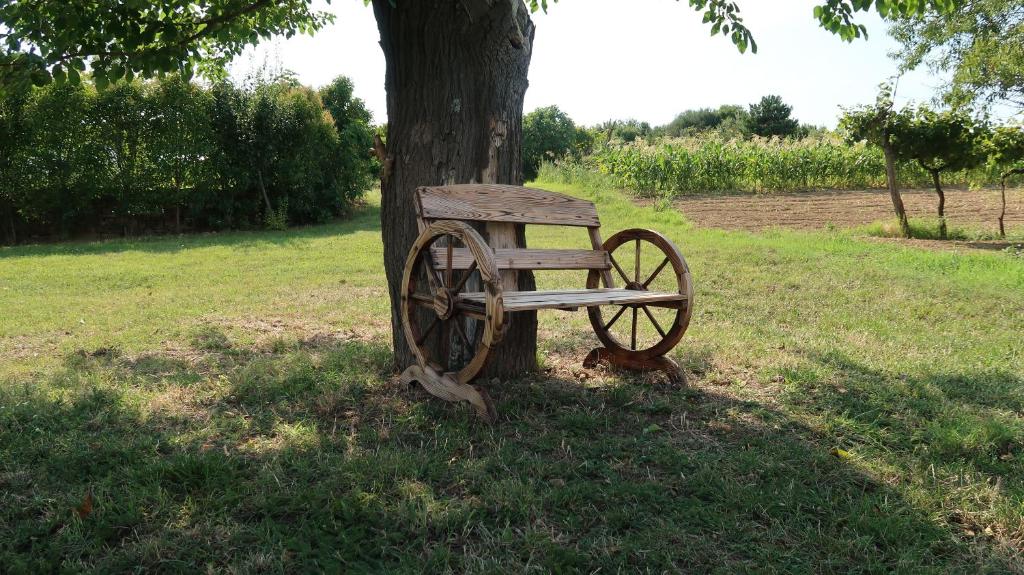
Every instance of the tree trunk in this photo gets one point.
(1002, 194)
(942, 199)
(455, 81)
(894, 191)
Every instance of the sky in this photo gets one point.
(644, 59)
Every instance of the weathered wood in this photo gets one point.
(448, 389)
(617, 359)
(631, 240)
(510, 204)
(442, 292)
(527, 259)
(564, 299)
(499, 260)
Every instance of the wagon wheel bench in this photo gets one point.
(460, 288)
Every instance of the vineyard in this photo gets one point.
(705, 164)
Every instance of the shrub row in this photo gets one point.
(171, 155)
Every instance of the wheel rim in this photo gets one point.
(431, 291)
(647, 261)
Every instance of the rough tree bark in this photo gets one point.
(890, 178)
(455, 81)
(935, 172)
(1002, 195)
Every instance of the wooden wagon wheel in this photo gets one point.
(431, 293)
(666, 271)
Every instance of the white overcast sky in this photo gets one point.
(643, 59)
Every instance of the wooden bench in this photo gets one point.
(454, 280)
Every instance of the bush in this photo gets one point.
(170, 155)
(548, 134)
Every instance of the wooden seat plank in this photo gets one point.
(528, 259)
(569, 299)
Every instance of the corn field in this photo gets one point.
(707, 164)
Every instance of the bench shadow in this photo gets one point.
(309, 455)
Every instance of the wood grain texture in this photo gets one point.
(501, 203)
(568, 299)
(527, 259)
(630, 240)
(448, 389)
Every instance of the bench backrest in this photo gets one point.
(502, 206)
(500, 203)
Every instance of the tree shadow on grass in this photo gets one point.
(365, 218)
(310, 457)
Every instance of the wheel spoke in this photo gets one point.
(636, 270)
(632, 340)
(655, 273)
(618, 268)
(422, 299)
(615, 318)
(423, 336)
(462, 333)
(650, 316)
(432, 278)
(465, 278)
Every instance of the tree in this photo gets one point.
(548, 134)
(876, 125)
(940, 141)
(181, 139)
(771, 117)
(727, 118)
(980, 45)
(1006, 153)
(456, 73)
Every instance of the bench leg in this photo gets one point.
(448, 389)
(660, 363)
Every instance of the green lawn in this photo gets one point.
(228, 400)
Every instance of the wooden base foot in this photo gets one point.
(664, 364)
(445, 387)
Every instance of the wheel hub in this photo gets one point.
(444, 304)
(636, 286)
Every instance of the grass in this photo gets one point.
(229, 403)
(930, 229)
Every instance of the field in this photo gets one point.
(975, 209)
(226, 403)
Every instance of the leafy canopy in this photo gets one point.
(54, 40)
(981, 44)
(772, 117)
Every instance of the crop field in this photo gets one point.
(976, 210)
(682, 166)
(227, 403)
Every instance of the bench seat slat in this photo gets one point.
(571, 299)
(528, 259)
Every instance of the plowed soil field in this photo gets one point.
(843, 209)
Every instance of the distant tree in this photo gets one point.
(771, 117)
(354, 124)
(729, 118)
(941, 141)
(877, 125)
(978, 45)
(1006, 153)
(625, 130)
(123, 118)
(181, 140)
(548, 134)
